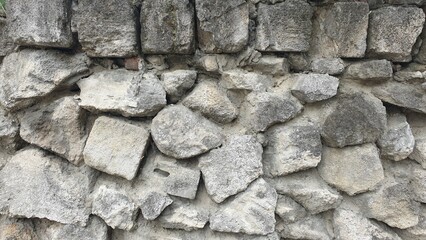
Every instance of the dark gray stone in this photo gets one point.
(372, 71)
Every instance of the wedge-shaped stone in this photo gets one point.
(250, 212)
(180, 133)
(372, 71)
(313, 87)
(178, 82)
(36, 184)
(289, 210)
(231, 168)
(153, 204)
(128, 93)
(31, 74)
(116, 147)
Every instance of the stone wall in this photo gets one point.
(209, 119)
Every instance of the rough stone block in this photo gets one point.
(178, 82)
(372, 71)
(6, 43)
(332, 66)
(9, 131)
(153, 204)
(240, 80)
(313, 87)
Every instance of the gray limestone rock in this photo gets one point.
(289, 210)
(284, 27)
(271, 65)
(353, 169)
(167, 27)
(107, 29)
(393, 31)
(211, 102)
(342, 127)
(418, 184)
(40, 23)
(314, 87)
(30, 74)
(116, 147)
(180, 133)
(397, 142)
(9, 131)
(371, 71)
(153, 204)
(58, 126)
(241, 80)
(418, 125)
(6, 43)
(331, 66)
(185, 216)
(291, 148)
(115, 208)
(231, 168)
(417, 232)
(250, 212)
(308, 189)
(410, 76)
(17, 229)
(313, 227)
(223, 26)
(37, 184)
(129, 93)
(178, 82)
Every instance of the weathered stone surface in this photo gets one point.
(185, 216)
(223, 26)
(284, 27)
(17, 229)
(342, 127)
(311, 228)
(314, 87)
(332, 66)
(31, 74)
(289, 210)
(403, 95)
(211, 102)
(250, 212)
(418, 184)
(271, 65)
(40, 23)
(231, 168)
(180, 133)
(153, 204)
(353, 169)
(178, 82)
(393, 31)
(241, 80)
(291, 148)
(417, 232)
(418, 125)
(128, 93)
(9, 131)
(371, 71)
(107, 29)
(36, 184)
(397, 142)
(116, 147)
(58, 126)
(6, 43)
(115, 208)
(308, 189)
(410, 76)
(264, 109)
(167, 27)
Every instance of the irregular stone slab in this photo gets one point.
(418, 184)
(36, 184)
(397, 142)
(417, 232)
(187, 135)
(167, 27)
(264, 109)
(250, 212)
(284, 27)
(354, 169)
(6, 43)
(231, 168)
(9, 131)
(311, 228)
(153, 204)
(313, 87)
(178, 82)
(107, 29)
(403, 95)
(184, 216)
(211, 102)
(17, 229)
(58, 126)
(129, 93)
(40, 23)
(419, 152)
(291, 148)
(332, 66)
(410, 76)
(289, 210)
(271, 65)
(116, 147)
(418, 125)
(240, 80)
(115, 208)
(393, 31)
(371, 71)
(223, 26)
(342, 128)
(31, 74)
(308, 189)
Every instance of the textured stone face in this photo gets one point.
(184, 216)
(310, 227)
(178, 82)
(107, 29)
(289, 210)
(9, 131)
(116, 147)
(240, 80)
(393, 31)
(370, 71)
(314, 87)
(284, 27)
(6, 43)
(332, 66)
(40, 23)
(154, 204)
(167, 27)
(222, 25)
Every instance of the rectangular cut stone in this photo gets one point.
(284, 27)
(40, 22)
(222, 25)
(167, 27)
(107, 28)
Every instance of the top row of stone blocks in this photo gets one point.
(110, 29)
